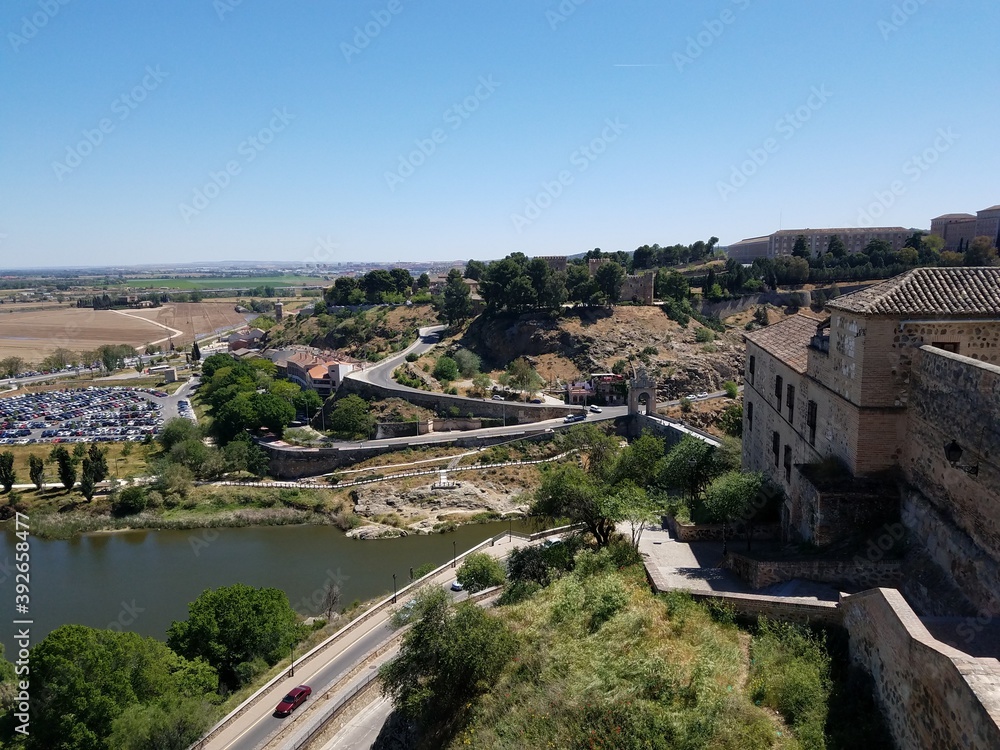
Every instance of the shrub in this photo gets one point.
(685, 404)
(129, 501)
(412, 357)
(732, 390)
(446, 369)
(480, 571)
(704, 335)
(468, 362)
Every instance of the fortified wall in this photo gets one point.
(509, 411)
(955, 514)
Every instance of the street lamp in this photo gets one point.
(454, 554)
(510, 530)
(953, 452)
(411, 574)
(393, 588)
(117, 461)
(291, 669)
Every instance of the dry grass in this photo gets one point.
(34, 335)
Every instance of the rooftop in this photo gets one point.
(949, 292)
(787, 340)
(840, 230)
(954, 216)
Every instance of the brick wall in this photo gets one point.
(932, 695)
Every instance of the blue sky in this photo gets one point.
(402, 130)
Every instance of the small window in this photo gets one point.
(788, 463)
(752, 367)
(811, 422)
(775, 446)
(750, 416)
(790, 402)
(778, 384)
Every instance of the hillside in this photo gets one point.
(588, 340)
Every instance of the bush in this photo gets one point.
(446, 369)
(468, 362)
(732, 390)
(480, 571)
(704, 335)
(129, 501)
(412, 357)
(685, 404)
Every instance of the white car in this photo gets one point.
(596, 409)
(703, 394)
(456, 586)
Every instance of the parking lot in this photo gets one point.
(95, 414)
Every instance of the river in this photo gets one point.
(143, 580)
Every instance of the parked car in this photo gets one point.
(497, 397)
(456, 586)
(596, 409)
(575, 418)
(295, 698)
(703, 394)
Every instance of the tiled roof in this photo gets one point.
(953, 216)
(992, 208)
(787, 340)
(948, 292)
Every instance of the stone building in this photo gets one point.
(555, 262)
(817, 240)
(958, 230)
(819, 394)
(639, 288)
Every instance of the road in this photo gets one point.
(362, 729)
(258, 723)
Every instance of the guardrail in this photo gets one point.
(354, 624)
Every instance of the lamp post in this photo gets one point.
(454, 554)
(291, 669)
(117, 461)
(953, 452)
(510, 530)
(411, 574)
(393, 588)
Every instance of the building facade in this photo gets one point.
(958, 230)
(838, 389)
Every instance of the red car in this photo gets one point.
(295, 698)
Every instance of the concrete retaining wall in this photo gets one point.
(855, 573)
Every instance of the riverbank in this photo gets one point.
(410, 506)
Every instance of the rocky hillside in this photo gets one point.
(681, 359)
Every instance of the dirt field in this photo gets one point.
(35, 334)
(192, 318)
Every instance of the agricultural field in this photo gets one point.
(226, 282)
(33, 335)
(190, 318)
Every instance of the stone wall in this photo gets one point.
(442, 403)
(857, 574)
(956, 515)
(932, 695)
(384, 430)
(785, 609)
(672, 432)
(712, 532)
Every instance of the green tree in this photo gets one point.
(480, 571)
(94, 471)
(638, 462)
(836, 247)
(731, 420)
(308, 401)
(474, 269)
(801, 249)
(446, 369)
(177, 430)
(449, 657)
(566, 491)
(457, 299)
(632, 503)
(351, 418)
(7, 474)
(468, 362)
(981, 252)
(129, 501)
(36, 470)
(402, 280)
(424, 282)
(12, 366)
(689, 467)
(481, 384)
(172, 723)
(672, 285)
(65, 466)
(272, 412)
(731, 497)
(195, 352)
(521, 376)
(732, 390)
(234, 625)
(609, 278)
(83, 679)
